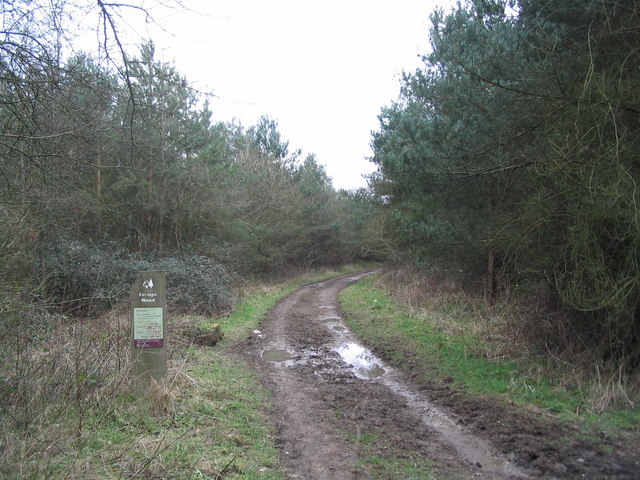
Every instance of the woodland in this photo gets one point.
(509, 162)
(111, 165)
(512, 157)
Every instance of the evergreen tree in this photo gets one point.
(517, 143)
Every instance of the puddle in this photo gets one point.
(365, 364)
(276, 355)
(338, 327)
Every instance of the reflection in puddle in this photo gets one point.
(364, 363)
(276, 355)
(339, 328)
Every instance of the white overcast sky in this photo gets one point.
(321, 69)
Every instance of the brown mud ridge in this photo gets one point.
(329, 391)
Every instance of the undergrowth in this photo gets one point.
(85, 280)
(68, 408)
(428, 323)
(70, 411)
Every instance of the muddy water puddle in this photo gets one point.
(276, 355)
(342, 353)
(365, 365)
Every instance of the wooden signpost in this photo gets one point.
(149, 328)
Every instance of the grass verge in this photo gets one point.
(378, 459)
(68, 410)
(444, 344)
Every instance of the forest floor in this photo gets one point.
(345, 412)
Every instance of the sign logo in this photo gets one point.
(148, 283)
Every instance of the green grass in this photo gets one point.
(381, 460)
(208, 420)
(214, 426)
(413, 467)
(416, 343)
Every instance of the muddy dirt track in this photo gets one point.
(330, 392)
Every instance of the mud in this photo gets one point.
(276, 355)
(329, 390)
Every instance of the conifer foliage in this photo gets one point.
(513, 153)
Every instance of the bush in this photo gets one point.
(196, 284)
(80, 279)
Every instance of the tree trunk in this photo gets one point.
(491, 283)
(99, 195)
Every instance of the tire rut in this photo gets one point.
(326, 401)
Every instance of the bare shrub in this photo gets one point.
(57, 374)
(613, 388)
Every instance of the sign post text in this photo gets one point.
(149, 327)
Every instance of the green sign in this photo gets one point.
(148, 326)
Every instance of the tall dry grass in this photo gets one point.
(62, 380)
(524, 326)
(59, 377)
(55, 374)
(440, 299)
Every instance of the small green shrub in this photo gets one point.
(80, 279)
(196, 284)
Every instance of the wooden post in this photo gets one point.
(149, 328)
